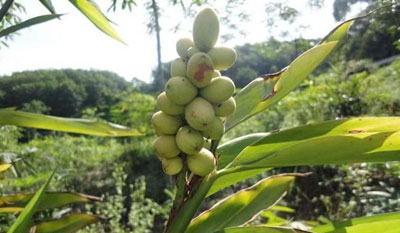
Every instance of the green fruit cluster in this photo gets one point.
(195, 101)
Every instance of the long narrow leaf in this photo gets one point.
(391, 226)
(24, 220)
(269, 89)
(4, 8)
(53, 200)
(340, 141)
(5, 166)
(91, 11)
(28, 23)
(333, 142)
(9, 116)
(67, 224)
(242, 206)
(228, 151)
(49, 5)
(337, 226)
(262, 229)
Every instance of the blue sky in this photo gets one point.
(73, 42)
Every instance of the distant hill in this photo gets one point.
(65, 92)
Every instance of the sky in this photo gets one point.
(73, 41)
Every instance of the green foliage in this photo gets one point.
(75, 89)
(135, 111)
(127, 208)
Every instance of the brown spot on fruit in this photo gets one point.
(199, 75)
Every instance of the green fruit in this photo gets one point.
(191, 51)
(165, 124)
(206, 29)
(165, 147)
(182, 45)
(225, 108)
(178, 68)
(189, 140)
(216, 74)
(200, 69)
(167, 106)
(207, 144)
(201, 163)
(199, 113)
(219, 90)
(180, 90)
(222, 57)
(172, 166)
(215, 130)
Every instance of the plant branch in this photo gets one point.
(4, 9)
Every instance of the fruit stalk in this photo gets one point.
(185, 214)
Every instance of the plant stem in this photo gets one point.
(189, 208)
(5, 7)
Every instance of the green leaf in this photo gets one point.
(262, 229)
(53, 200)
(226, 153)
(229, 150)
(68, 224)
(370, 139)
(49, 5)
(91, 11)
(283, 209)
(392, 226)
(9, 116)
(4, 8)
(28, 23)
(5, 166)
(269, 89)
(242, 206)
(265, 91)
(24, 220)
(226, 178)
(340, 226)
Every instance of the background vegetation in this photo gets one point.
(358, 80)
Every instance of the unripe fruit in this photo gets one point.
(201, 163)
(189, 140)
(200, 69)
(225, 108)
(207, 144)
(172, 166)
(206, 29)
(167, 106)
(165, 124)
(182, 45)
(165, 147)
(199, 113)
(180, 90)
(191, 51)
(216, 74)
(222, 57)
(215, 130)
(178, 68)
(219, 90)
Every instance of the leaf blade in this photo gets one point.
(372, 139)
(28, 23)
(91, 11)
(269, 89)
(68, 224)
(242, 206)
(5, 166)
(332, 227)
(53, 200)
(9, 116)
(23, 222)
(261, 229)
